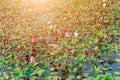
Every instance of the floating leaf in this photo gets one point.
(117, 73)
(7, 47)
(78, 77)
(52, 69)
(118, 68)
(71, 77)
(117, 60)
(17, 74)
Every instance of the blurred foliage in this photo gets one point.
(64, 37)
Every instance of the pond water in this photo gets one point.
(115, 68)
(107, 63)
(113, 64)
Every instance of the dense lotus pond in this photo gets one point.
(106, 64)
(59, 40)
(109, 64)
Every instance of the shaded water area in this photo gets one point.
(105, 64)
(113, 62)
(109, 63)
(116, 66)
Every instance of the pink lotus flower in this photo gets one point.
(76, 34)
(51, 26)
(29, 9)
(65, 18)
(6, 41)
(33, 40)
(105, 36)
(49, 23)
(32, 59)
(67, 34)
(104, 4)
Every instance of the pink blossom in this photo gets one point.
(33, 40)
(32, 59)
(104, 4)
(29, 9)
(49, 23)
(22, 13)
(105, 36)
(64, 18)
(67, 34)
(76, 34)
(51, 26)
